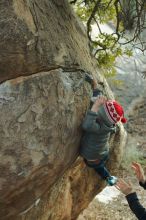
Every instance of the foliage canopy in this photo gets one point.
(122, 15)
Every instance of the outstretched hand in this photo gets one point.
(124, 187)
(139, 172)
(99, 101)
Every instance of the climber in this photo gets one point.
(99, 122)
(131, 196)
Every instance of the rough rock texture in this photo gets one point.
(41, 176)
(40, 127)
(38, 36)
(40, 134)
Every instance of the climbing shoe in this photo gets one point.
(112, 180)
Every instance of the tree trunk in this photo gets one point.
(43, 99)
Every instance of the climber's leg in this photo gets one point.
(99, 167)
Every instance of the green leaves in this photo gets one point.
(84, 11)
(128, 52)
(105, 46)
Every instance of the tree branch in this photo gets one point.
(73, 2)
(91, 17)
(132, 15)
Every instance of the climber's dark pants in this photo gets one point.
(99, 167)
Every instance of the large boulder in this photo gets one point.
(43, 99)
(40, 134)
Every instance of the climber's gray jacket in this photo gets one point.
(94, 143)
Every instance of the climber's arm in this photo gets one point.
(99, 101)
(90, 124)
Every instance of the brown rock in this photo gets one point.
(41, 114)
(39, 36)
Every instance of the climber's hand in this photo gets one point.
(99, 101)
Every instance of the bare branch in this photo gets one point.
(73, 2)
(91, 17)
(98, 25)
(108, 5)
(98, 51)
(117, 15)
(132, 14)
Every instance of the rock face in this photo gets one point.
(43, 99)
(38, 36)
(40, 127)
